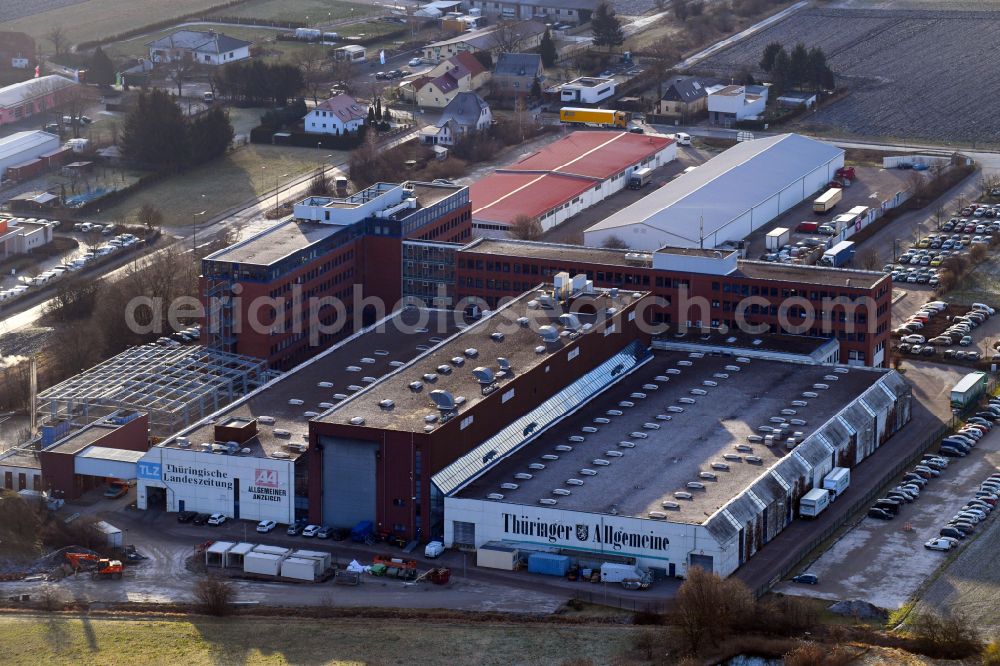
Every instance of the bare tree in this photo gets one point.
(215, 595)
(179, 71)
(870, 260)
(614, 243)
(149, 216)
(508, 37)
(58, 38)
(524, 227)
(709, 606)
(311, 62)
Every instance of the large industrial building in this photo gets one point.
(348, 248)
(24, 147)
(563, 178)
(726, 198)
(34, 96)
(667, 469)
(704, 290)
(248, 460)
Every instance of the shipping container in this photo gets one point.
(548, 564)
(362, 531)
(777, 238)
(837, 481)
(826, 201)
(301, 568)
(814, 502)
(325, 559)
(266, 564)
(111, 533)
(497, 556)
(616, 573)
(968, 389)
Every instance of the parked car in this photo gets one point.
(201, 518)
(433, 549)
(266, 526)
(415, 62)
(186, 516)
(939, 544)
(806, 579)
(325, 532)
(216, 519)
(310, 530)
(952, 533)
(297, 527)
(880, 514)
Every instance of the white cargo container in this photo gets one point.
(814, 502)
(267, 564)
(837, 481)
(777, 238)
(273, 550)
(301, 568)
(235, 555)
(497, 556)
(325, 559)
(616, 573)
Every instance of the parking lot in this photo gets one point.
(871, 186)
(885, 562)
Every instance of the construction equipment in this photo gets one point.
(105, 568)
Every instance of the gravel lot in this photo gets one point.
(884, 563)
(916, 73)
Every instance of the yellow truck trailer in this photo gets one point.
(593, 117)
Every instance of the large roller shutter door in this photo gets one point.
(704, 561)
(464, 534)
(348, 481)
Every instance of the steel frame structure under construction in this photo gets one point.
(176, 387)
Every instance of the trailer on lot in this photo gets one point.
(968, 389)
(825, 202)
(814, 503)
(777, 238)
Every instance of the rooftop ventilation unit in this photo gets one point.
(626, 403)
(821, 387)
(721, 466)
(484, 376)
(756, 460)
(281, 432)
(589, 429)
(457, 361)
(626, 444)
(459, 400)
(340, 396)
(354, 368)
(539, 349)
(396, 364)
(789, 412)
(444, 400)
(732, 456)
(381, 352)
(495, 496)
(695, 485)
(295, 401)
(755, 439)
(686, 401)
(697, 391)
(471, 352)
(708, 476)
(509, 486)
(533, 304)
(310, 414)
(614, 454)
(684, 364)
(569, 321)
(744, 448)
(601, 420)
(673, 371)
(245, 452)
(546, 302)
(280, 455)
(367, 360)
(326, 385)
(547, 501)
(614, 412)
(799, 403)
(357, 420)
(683, 495)
(354, 388)
(523, 476)
(742, 359)
(561, 491)
(266, 420)
(416, 385)
(444, 369)
(672, 506)
(600, 462)
(563, 448)
(576, 438)
(664, 417)
(536, 466)
(550, 457)
(497, 336)
(675, 409)
(574, 482)
(588, 472)
(661, 378)
(841, 371)
(325, 405)
(548, 333)
(809, 394)
(503, 363)
(431, 418)
(523, 321)
(386, 404)
(430, 377)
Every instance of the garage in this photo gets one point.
(348, 480)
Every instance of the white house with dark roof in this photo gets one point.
(204, 47)
(341, 114)
(467, 112)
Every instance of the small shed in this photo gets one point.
(111, 533)
(267, 564)
(301, 568)
(234, 558)
(215, 555)
(497, 556)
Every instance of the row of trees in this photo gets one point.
(156, 133)
(259, 83)
(800, 68)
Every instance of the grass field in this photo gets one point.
(94, 19)
(222, 184)
(108, 642)
(313, 12)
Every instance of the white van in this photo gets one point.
(683, 139)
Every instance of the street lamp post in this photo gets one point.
(194, 229)
(277, 189)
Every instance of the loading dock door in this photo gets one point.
(106, 462)
(348, 481)
(703, 561)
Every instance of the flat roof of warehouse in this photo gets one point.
(648, 474)
(818, 275)
(516, 343)
(399, 339)
(508, 195)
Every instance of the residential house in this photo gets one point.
(529, 36)
(204, 47)
(731, 104)
(438, 87)
(467, 112)
(515, 73)
(549, 11)
(340, 114)
(685, 98)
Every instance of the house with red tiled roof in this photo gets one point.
(435, 89)
(340, 114)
